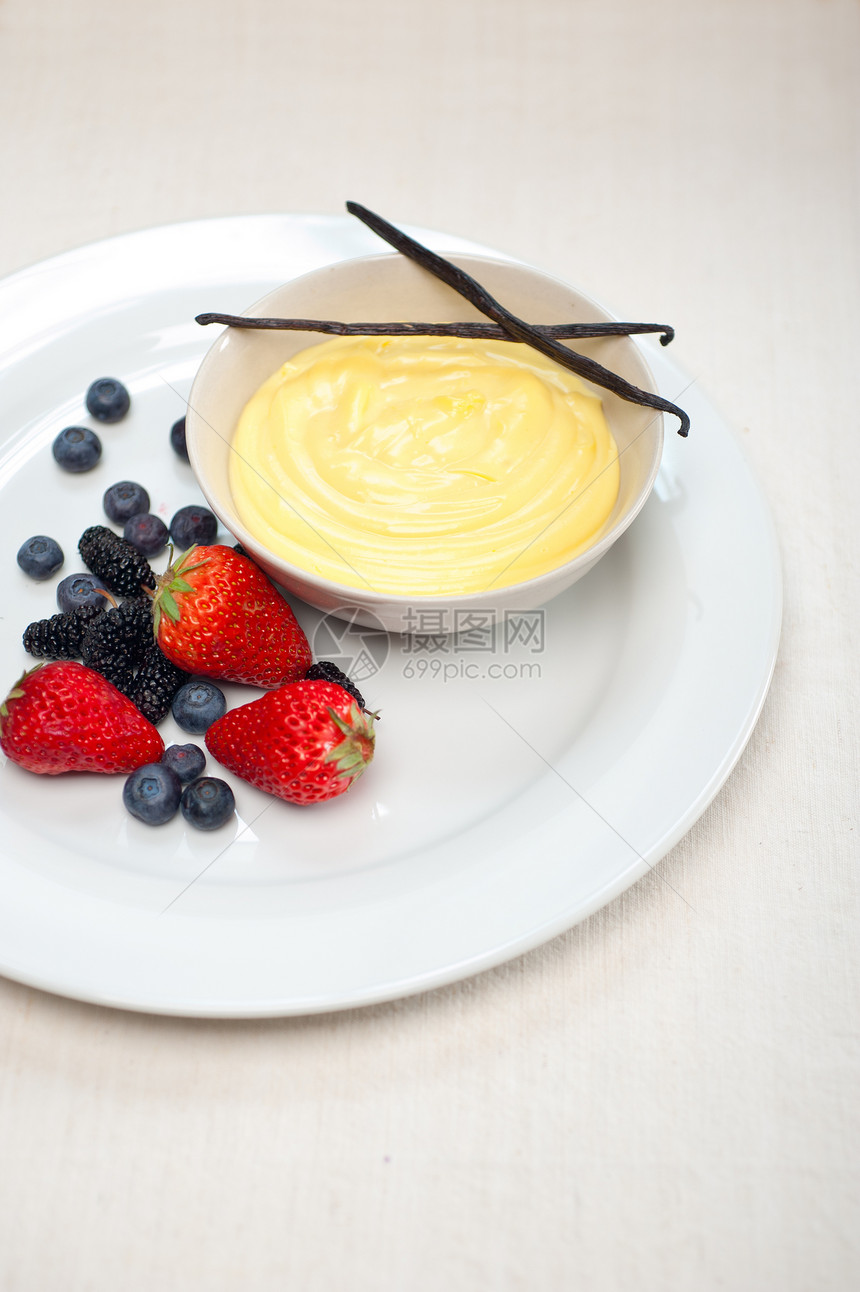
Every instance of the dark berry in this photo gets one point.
(40, 556)
(197, 705)
(191, 525)
(155, 684)
(108, 400)
(77, 449)
(124, 500)
(325, 671)
(117, 640)
(147, 533)
(208, 803)
(113, 559)
(239, 549)
(152, 793)
(177, 439)
(61, 636)
(81, 590)
(187, 761)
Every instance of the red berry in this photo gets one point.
(64, 717)
(218, 615)
(306, 742)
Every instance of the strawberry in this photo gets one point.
(64, 717)
(305, 742)
(217, 614)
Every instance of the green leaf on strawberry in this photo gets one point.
(217, 614)
(306, 742)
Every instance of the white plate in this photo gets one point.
(499, 810)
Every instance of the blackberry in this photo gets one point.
(325, 671)
(117, 640)
(155, 684)
(240, 551)
(61, 636)
(115, 561)
(122, 678)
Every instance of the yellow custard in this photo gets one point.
(423, 465)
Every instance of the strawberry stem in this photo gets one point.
(170, 582)
(355, 751)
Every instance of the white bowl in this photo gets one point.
(384, 288)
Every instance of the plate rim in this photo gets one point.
(455, 971)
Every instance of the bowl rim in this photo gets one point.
(350, 593)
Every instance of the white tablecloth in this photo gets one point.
(665, 1097)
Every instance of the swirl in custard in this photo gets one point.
(424, 466)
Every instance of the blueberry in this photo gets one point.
(208, 803)
(77, 449)
(147, 533)
(187, 761)
(81, 590)
(40, 556)
(197, 705)
(194, 524)
(124, 500)
(108, 400)
(177, 439)
(152, 793)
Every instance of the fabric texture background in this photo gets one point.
(665, 1097)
